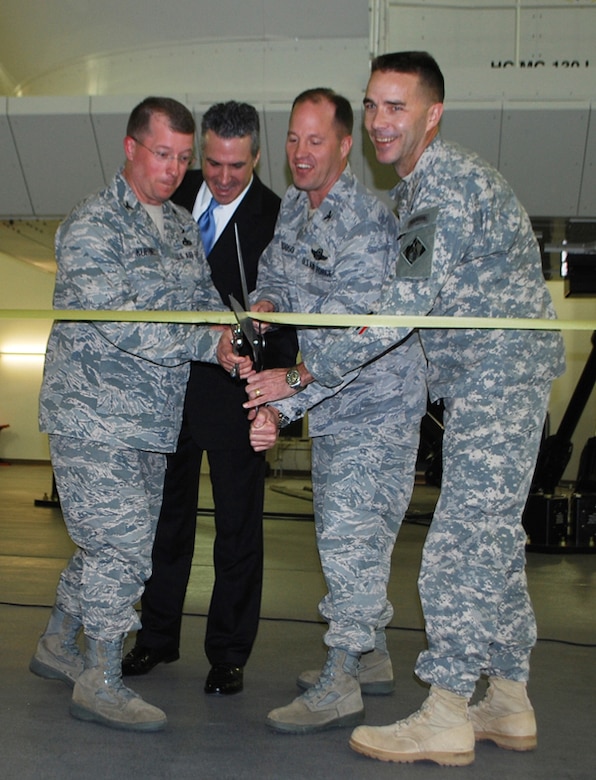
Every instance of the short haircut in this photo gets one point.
(179, 117)
(233, 120)
(344, 116)
(420, 63)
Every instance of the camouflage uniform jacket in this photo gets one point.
(124, 383)
(335, 261)
(466, 248)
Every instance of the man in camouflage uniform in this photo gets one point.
(111, 402)
(331, 250)
(466, 247)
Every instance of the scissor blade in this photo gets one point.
(245, 323)
(243, 285)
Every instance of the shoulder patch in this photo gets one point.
(416, 245)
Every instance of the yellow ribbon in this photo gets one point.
(301, 320)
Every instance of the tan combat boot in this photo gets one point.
(375, 674)
(505, 716)
(334, 701)
(440, 731)
(99, 694)
(57, 656)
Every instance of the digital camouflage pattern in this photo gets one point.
(110, 499)
(124, 383)
(336, 262)
(466, 248)
(362, 480)
(112, 393)
(365, 435)
(472, 580)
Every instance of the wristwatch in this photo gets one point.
(293, 379)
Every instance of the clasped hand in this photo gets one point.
(267, 386)
(264, 427)
(228, 359)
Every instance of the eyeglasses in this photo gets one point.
(163, 157)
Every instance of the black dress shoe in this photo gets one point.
(224, 679)
(141, 660)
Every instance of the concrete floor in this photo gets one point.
(227, 738)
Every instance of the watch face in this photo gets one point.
(293, 377)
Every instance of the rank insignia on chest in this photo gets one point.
(318, 254)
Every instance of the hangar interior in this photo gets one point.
(520, 91)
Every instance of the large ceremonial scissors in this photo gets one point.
(245, 328)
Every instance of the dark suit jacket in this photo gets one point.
(213, 407)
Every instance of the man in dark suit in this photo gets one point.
(215, 422)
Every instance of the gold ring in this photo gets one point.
(257, 393)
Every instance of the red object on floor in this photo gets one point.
(4, 462)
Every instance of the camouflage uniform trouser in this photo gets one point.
(110, 499)
(472, 581)
(362, 483)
